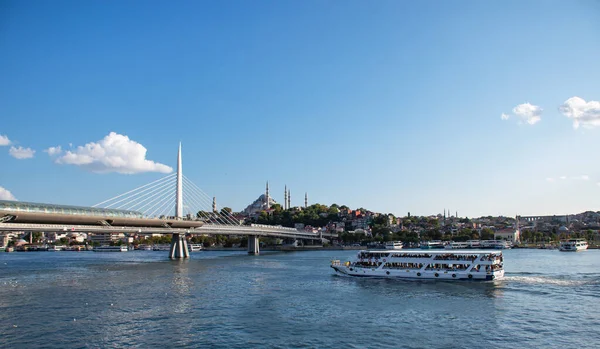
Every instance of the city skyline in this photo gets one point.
(480, 108)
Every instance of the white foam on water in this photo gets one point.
(545, 280)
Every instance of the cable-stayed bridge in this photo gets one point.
(170, 205)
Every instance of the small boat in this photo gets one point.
(474, 243)
(573, 245)
(394, 245)
(502, 244)
(438, 265)
(457, 245)
(195, 247)
(426, 245)
(121, 248)
(487, 244)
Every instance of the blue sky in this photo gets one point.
(395, 106)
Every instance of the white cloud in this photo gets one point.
(54, 150)
(4, 140)
(114, 153)
(571, 178)
(21, 153)
(582, 112)
(6, 195)
(528, 112)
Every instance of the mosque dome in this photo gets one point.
(563, 229)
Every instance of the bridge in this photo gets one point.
(145, 210)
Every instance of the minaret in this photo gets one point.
(517, 231)
(179, 190)
(214, 204)
(305, 199)
(289, 199)
(267, 197)
(285, 198)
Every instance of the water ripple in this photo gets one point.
(289, 300)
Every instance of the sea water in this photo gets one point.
(548, 299)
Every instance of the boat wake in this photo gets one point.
(548, 280)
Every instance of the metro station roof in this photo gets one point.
(36, 207)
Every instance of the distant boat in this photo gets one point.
(426, 245)
(394, 245)
(122, 248)
(573, 245)
(474, 243)
(195, 247)
(457, 245)
(500, 245)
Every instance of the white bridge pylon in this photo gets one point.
(173, 196)
(176, 197)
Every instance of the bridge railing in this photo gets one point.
(256, 228)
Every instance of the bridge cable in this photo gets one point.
(206, 203)
(162, 201)
(141, 194)
(210, 216)
(164, 192)
(227, 216)
(230, 217)
(132, 191)
(160, 209)
(147, 196)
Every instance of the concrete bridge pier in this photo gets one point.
(253, 244)
(179, 247)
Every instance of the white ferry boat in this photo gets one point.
(122, 248)
(394, 245)
(439, 265)
(195, 247)
(474, 243)
(457, 245)
(426, 245)
(502, 244)
(487, 244)
(573, 245)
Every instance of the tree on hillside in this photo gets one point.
(487, 234)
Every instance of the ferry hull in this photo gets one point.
(564, 249)
(418, 274)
